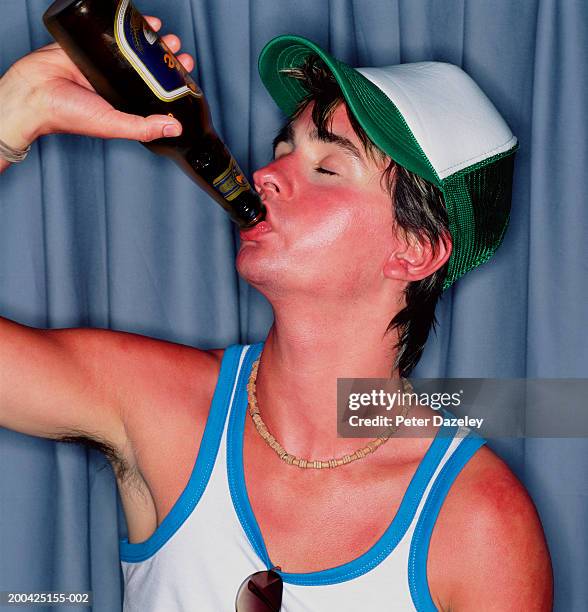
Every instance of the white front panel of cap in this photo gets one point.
(454, 122)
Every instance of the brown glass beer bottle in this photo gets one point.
(129, 65)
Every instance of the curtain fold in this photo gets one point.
(105, 234)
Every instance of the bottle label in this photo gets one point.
(231, 182)
(150, 57)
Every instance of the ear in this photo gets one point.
(415, 258)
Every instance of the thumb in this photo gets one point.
(116, 124)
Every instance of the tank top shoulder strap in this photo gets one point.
(464, 444)
(233, 361)
(221, 401)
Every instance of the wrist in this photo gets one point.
(20, 124)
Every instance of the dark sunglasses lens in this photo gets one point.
(260, 592)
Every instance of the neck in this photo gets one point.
(306, 350)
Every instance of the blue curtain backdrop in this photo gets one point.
(108, 235)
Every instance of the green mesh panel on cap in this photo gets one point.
(478, 207)
(477, 198)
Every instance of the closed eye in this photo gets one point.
(325, 171)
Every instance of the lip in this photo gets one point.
(256, 232)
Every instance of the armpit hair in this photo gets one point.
(123, 471)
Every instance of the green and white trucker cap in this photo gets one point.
(432, 119)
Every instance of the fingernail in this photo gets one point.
(171, 129)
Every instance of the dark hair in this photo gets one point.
(419, 210)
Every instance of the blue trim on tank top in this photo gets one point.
(181, 510)
(372, 557)
(419, 546)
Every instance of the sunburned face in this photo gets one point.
(329, 227)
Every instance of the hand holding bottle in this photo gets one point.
(44, 92)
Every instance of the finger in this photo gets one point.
(154, 22)
(187, 61)
(173, 42)
(115, 124)
(146, 129)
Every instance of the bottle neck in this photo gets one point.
(249, 209)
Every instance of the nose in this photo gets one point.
(272, 180)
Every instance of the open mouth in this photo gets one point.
(255, 232)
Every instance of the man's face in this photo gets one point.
(330, 222)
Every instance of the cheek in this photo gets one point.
(343, 225)
(323, 226)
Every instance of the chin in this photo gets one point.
(271, 276)
(253, 266)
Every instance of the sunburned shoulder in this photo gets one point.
(146, 371)
(137, 393)
(180, 372)
(488, 550)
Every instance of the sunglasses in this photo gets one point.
(260, 592)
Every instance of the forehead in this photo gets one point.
(338, 123)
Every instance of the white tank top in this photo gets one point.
(210, 541)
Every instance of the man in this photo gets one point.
(354, 239)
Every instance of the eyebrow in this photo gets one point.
(340, 141)
(286, 135)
